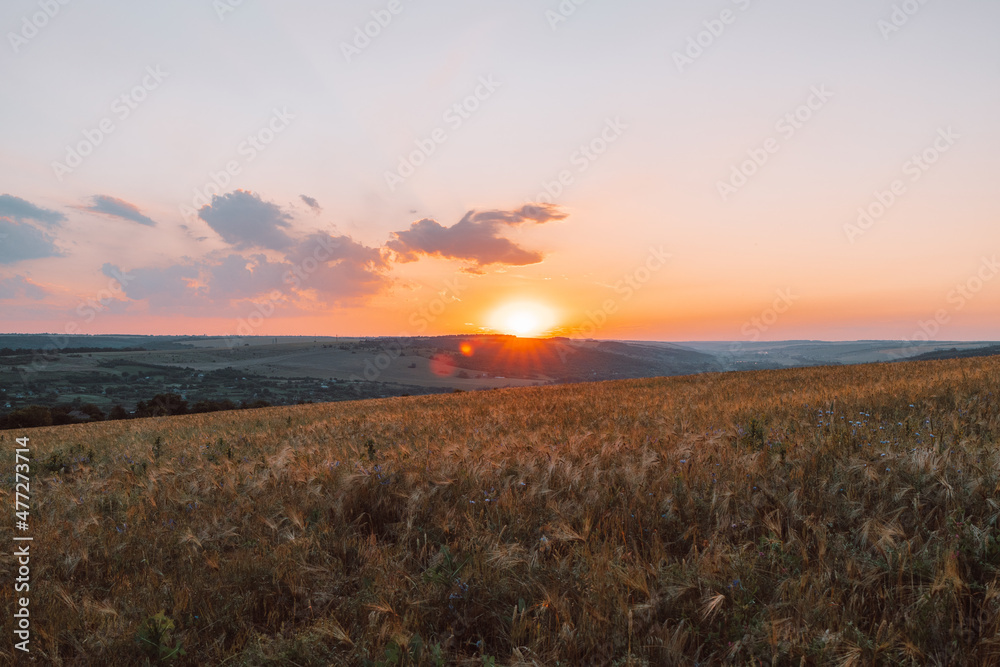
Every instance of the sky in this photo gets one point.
(711, 170)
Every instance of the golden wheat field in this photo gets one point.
(825, 516)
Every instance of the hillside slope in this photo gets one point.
(842, 515)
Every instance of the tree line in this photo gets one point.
(161, 405)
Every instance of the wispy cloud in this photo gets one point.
(311, 203)
(118, 208)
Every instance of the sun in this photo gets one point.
(525, 319)
(522, 324)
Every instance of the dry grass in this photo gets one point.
(842, 516)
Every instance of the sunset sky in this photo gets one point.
(661, 170)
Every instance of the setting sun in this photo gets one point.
(522, 324)
(523, 318)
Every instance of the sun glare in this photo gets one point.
(522, 324)
(523, 318)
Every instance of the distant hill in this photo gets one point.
(571, 360)
(955, 353)
(110, 342)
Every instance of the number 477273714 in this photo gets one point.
(22, 469)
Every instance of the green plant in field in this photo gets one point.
(446, 571)
(755, 434)
(155, 638)
(67, 460)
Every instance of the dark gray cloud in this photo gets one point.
(244, 220)
(19, 287)
(118, 208)
(312, 203)
(19, 210)
(21, 241)
(477, 237)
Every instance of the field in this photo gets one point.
(819, 516)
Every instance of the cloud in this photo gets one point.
(318, 271)
(20, 241)
(19, 287)
(471, 241)
(237, 277)
(528, 213)
(168, 287)
(244, 220)
(311, 203)
(190, 234)
(310, 272)
(473, 271)
(475, 238)
(118, 208)
(20, 210)
(337, 268)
